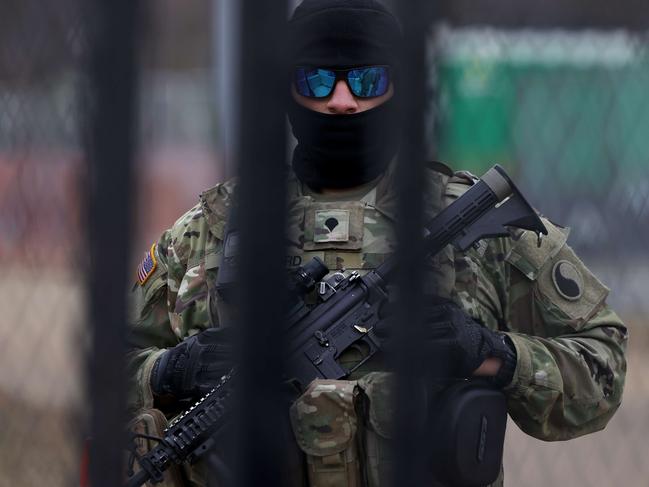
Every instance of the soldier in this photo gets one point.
(532, 318)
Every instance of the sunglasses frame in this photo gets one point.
(344, 75)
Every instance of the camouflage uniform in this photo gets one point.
(570, 345)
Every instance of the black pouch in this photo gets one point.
(469, 432)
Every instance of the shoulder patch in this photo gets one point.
(570, 286)
(567, 280)
(562, 280)
(147, 266)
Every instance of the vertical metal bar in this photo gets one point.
(112, 31)
(410, 414)
(261, 193)
(225, 37)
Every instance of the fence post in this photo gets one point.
(262, 199)
(111, 28)
(410, 447)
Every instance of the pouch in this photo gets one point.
(324, 423)
(469, 431)
(153, 422)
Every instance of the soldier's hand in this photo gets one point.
(194, 366)
(470, 347)
(455, 344)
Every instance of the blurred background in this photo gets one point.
(556, 93)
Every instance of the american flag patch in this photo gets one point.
(147, 266)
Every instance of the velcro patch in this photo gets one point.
(334, 225)
(567, 280)
(147, 266)
(331, 225)
(568, 284)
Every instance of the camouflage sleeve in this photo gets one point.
(570, 345)
(171, 297)
(149, 331)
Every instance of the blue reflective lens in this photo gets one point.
(321, 82)
(366, 82)
(369, 82)
(314, 82)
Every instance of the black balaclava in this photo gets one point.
(343, 151)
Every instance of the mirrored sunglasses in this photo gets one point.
(363, 82)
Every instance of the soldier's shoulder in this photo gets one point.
(199, 230)
(455, 182)
(192, 220)
(530, 253)
(215, 204)
(209, 213)
(565, 283)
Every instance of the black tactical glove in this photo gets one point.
(193, 367)
(466, 342)
(461, 343)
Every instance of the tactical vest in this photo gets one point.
(342, 446)
(346, 234)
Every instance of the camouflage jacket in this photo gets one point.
(570, 345)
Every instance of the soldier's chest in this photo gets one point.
(358, 236)
(352, 235)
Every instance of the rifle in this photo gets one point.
(345, 315)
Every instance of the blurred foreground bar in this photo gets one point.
(112, 29)
(261, 195)
(410, 446)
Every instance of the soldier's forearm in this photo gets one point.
(570, 385)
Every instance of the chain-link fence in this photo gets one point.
(44, 332)
(567, 113)
(40, 251)
(564, 111)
